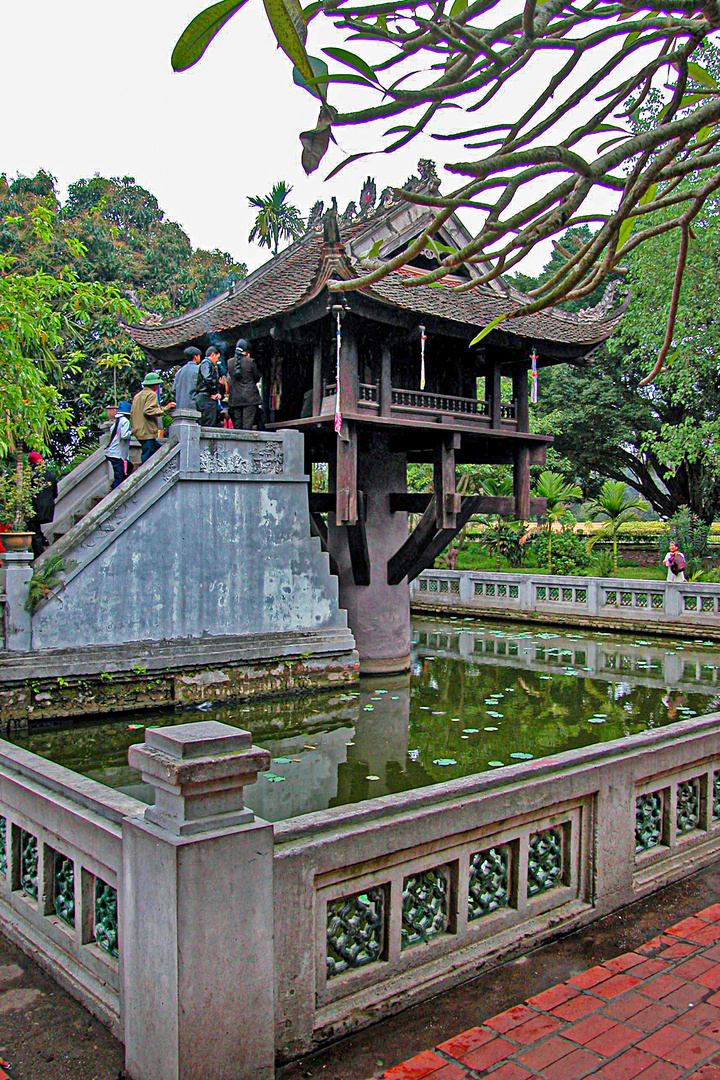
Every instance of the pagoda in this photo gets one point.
(383, 376)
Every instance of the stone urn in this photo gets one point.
(16, 541)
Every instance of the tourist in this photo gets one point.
(244, 398)
(207, 390)
(675, 562)
(43, 501)
(118, 447)
(186, 379)
(145, 413)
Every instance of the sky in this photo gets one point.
(93, 92)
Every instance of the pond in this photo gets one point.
(479, 695)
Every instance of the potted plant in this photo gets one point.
(114, 362)
(17, 488)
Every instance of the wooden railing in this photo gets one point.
(447, 403)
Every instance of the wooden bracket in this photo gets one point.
(446, 505)
(357, 544)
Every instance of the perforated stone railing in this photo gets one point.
(407, 893)
(60, 866)
(614, 601)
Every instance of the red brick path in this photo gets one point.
(653, 1014)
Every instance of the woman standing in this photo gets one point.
(675, 562)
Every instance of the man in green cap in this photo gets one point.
(145, 413)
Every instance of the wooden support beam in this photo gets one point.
(417, 503)
(358, 545)
(319, 528)
(446, 498)
(521, 483)
(317, 387)
(493, 392)
(522, 400)
(386, 381)
(407, 555)
(346, 475)
(443, 537)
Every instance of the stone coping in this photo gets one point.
(309, 826)
(574, 579)
(91, 794)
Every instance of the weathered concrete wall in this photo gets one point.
(209, 538)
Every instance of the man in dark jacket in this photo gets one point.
(207, 389)
(244, 396)
(186, 379)
(43, 501)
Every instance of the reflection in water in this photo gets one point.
(478, 696)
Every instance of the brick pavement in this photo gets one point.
(651, 1014)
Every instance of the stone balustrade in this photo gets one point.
(191, 916)
(623, 603)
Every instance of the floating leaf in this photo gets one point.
(372, 777)
(445, 761)
(496, 764)
(491, 729)
(281, 760)
(471, 730)
(195, 39)
(519, 756)
(273, 777)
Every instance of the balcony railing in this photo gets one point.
(419, 401)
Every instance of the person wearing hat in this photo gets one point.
(186, 379)
(145, 412)
(207, 389)
(117, 451)
(43, 501)
(244, 398)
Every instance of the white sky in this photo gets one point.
(93, 92)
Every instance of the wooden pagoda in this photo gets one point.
(411, 390)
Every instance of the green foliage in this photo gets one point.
(692, 536)
(561, 552)
(46, 582)
(503, 539)
(616, 506)
(276, 218)
(605, 564)
(18, 486)
(68, 274)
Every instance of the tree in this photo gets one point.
(535, 175)
(276, 219)
(557, 491)
(663, 440)
(616, 506)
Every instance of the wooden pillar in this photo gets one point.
(492, 391)
(348, 372)
(522, 401)
(346, 475)
(521, 482)
(446, 498)
(386, 382)
(317, 386)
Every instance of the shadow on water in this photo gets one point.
(479, 695)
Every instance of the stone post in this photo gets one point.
(18, 621)
(185, 429)
(196, 912)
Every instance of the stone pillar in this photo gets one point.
(378, 613)
(18, 621)
(196, 911)
(185, 429)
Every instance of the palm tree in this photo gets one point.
(556, 490)
(616, 506)
(276, 219)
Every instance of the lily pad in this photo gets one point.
(490, 729)
(470, 730)
(495, 715)
(445, 761)
(273, 777)
(496, 764)
(519, 756)
(282, 760)
(372, 777)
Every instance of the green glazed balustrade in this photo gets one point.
(648, 821)
(106, 917)
(3, 846)
(688, 805)
(424, 907)
(489, 881)
(545, 861)
(355, 931)
(29, 863)
(64, 888)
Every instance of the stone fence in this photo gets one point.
(216, 944)
(621, 603)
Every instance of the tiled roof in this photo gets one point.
(300, 272)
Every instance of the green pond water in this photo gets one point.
(479, 695)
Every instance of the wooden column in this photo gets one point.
(521, 482)
(348, 373)
(346, 475)
(522, 400)
(492, 391)
(317, 386)
(446, 499)
(386, 382)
